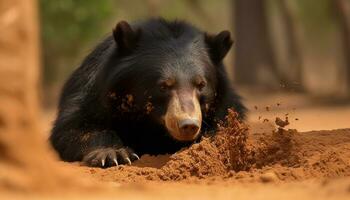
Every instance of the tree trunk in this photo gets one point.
(294, 55)
(26, 162)
(342, 8)
(253, 44)
(19, 65)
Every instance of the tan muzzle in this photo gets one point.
(183, 118)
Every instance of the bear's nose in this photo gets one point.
(189, 126)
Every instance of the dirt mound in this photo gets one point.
(213, 156)
(231, 155)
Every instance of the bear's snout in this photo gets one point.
(189, 126)
(183, 118)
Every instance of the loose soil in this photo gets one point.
(234, 155)
(236, 163)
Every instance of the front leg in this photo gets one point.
(95, 148)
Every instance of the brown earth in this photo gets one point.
(236, 163)
(232, 156)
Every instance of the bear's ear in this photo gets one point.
(125, 37)
(219, 45)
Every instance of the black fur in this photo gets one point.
(113, 100)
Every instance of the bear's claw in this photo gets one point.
(108, 157)
(136, 156)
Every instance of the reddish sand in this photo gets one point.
(280, 156)
(237, 163)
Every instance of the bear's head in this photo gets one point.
(168, 72)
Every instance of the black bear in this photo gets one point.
(151, 87)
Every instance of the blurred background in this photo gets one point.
(290, 57)
(294, 45)
(291, 52)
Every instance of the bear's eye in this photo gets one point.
(167, 84)
(200, 85)
(199, 82)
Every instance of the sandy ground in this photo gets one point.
(237, 164)
(300, 166)
(337, 189)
